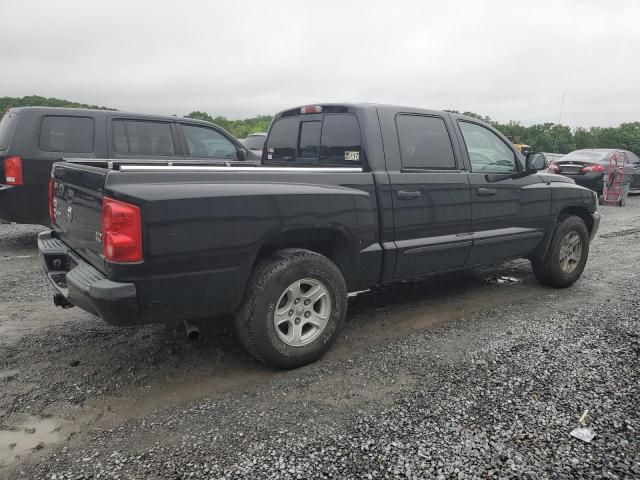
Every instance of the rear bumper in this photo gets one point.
(84, 286)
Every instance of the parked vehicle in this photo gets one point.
(552, 157)
(587, 167)
(347, 197)
(255, 142)
(32, 138)
(523, 148)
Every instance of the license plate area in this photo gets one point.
(570, 169)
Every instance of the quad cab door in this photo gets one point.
(430, 193)
(511, 209)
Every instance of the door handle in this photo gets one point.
(486, 192)
(408, 194)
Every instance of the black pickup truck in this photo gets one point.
(347, 196)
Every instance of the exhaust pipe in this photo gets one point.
(60, 301)
(193, 331)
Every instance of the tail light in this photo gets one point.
(52, 212)
(554, 167)
(13, 171)
(121, 231)
(593, 168)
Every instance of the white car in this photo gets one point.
(255, 142)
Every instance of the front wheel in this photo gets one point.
(294, 308)
(567, 255)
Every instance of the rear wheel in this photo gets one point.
(567, 254)
(294, 308)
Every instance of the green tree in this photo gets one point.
(238, 128)
(201, 116)
(35, 101)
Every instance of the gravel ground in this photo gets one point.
(481, 374)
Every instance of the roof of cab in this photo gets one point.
(92, 112)
(366, 106)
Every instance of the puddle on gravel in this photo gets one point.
(30, 436)
(140, 402)
(503, 280)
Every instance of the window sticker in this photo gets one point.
(351, 156)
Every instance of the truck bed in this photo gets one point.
(204, 226)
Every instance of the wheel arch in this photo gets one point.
(579, 211)
(331, 242)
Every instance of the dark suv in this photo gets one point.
(32, 138)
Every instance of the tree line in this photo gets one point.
(542, 137)
(35, 101)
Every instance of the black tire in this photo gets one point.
(269, 280)
(549, 271)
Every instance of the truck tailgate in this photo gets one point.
(77, 202)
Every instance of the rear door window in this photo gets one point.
(425, 143)
(205, 142)
(66, 134)
(135, 137)
(331, 139)
(341, 142)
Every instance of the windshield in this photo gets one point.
(586, 156)
(255, 142)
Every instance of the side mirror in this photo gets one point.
(241, 154)
(536, 161)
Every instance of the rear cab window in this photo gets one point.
(140, 137)
(326, 139)
(67, 134)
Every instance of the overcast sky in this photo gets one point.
(505, 59)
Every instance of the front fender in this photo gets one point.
(568, 198)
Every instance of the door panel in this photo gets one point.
(511, 222)
(510, 209)
(431, 198)
(432, 216)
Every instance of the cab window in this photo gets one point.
(424, 143)
(66, 134)
(205, 142)
(136, 137)
(487, 152)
